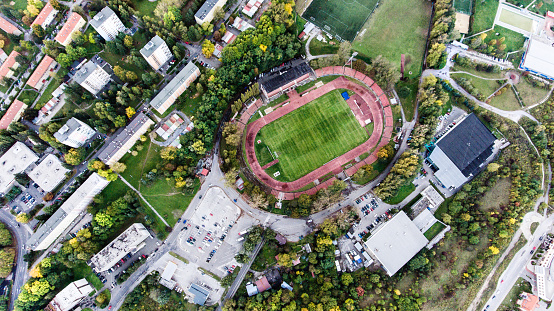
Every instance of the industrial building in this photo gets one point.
(461, 153)
(70, 296)
(169, 94)
(61, 220)
(42, 72)
(49, 173)
(74, 133)
(13, 114)
(14, 161)
(538, 58)
(395, 243)
(156, 52)
(125, 140)
(92, 75)
(73, 24)
(107, 24)
(206, 11)
(130, 241)
(46, 16)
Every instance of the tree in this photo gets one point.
(118, 167)
(386, 75)
(22, 218)
(128, 41)
(218, 14)
(130, 111)
(493, 167)
(198, 147)
(346, 279)
(168, 153)
(75, 156)
(208, 48)
(344, 51)
(103, 219)
(284, 260)
(217, 35)
(385, 152)
(5, 236)
(230, 178)
(7, 256)
(435, 53)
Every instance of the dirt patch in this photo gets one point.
(498, 196)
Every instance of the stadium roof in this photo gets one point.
(15, 109)
(152, 46)
(396, 242)
(467, 145)
(200, 294)
(68, 27)
(101, 17)
(274, 80)
(8, 64)
(538, 58)
(7, 26)
(40, 71)
(44, 13)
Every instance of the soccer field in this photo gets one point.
(340, 17)
(312, 135)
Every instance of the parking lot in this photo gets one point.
(372, 211)
(208, 239)
(28, 199)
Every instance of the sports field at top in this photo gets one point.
(310, 136)
(340, 17)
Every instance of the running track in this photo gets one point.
(381, 114)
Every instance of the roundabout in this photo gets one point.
(331, 128)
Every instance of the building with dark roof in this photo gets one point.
(285, 78)
(123, 142)
(462, 152)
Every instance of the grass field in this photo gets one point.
(516, 20)
(28, 96)
(530, 94)
(498, 196)
(47, 94)
(145, 7)
(463, 6)
(82, 270)
(483, 18)
(320, 48)
(408, 103)
(402, 193)
(514, 41)
(339, 17)
(435, 229)
(486, 87)
(506, 101)
(312, 135)
(387, 36)
(547, 5)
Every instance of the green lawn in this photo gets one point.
(319, 48)
(28, 96)
(339, 17)
(483, 74)
(145, 7)
(462, 6)
(391, 36)
(187, 104)
(408, 102)
(514, 40)
(485, 87)
(483, 19)
(143, 162)
(506, 101)
(402, 193)
(530, 94)
(8, 44)
(19, 4)
(306, 86)
(47, 94)
(82, 270)
(435, 229)
(312, 135)
(547, 5)
(92, 49)
(516, 20)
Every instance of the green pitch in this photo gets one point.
(340, 17)
(311, 136)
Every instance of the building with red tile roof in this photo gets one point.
(8, 27)
(42, 72)
(8, 65)
(252, 7)
(528, 302)
(73, 23)
(13, 114)
(46, 16)
(262, 284)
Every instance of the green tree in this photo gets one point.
(7, 256)
(22, 218)
(346, 279)
(208, 48)
(75, 156)
(386, 75)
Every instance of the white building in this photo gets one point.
(67, 213)
(206, 11)
(169, 94)
(70, 296)
(129, 241)
(74, 133)
(538, 58)
(156, 52)
(49, 173)
(92, 77)
(107, 24)
(395, 243)
(14, 161)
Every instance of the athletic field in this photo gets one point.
(340, 17)
(311, 136)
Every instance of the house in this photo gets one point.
(395, 242)
(49, 173)
(74, 133)
(76, 204)
(123, 142)
(239, 184)
(13, 114)
(73, 24)
(251, 289)
(70, 296)
(129, 241)
(537, 58)
(14, 161)
(169, 126)
(156, 52)
(42, 72)
(528, 302)
(169, 94)
(206, 11)
(252, 7)
(280, 239)
(107, 24)
(461, 153)
(167, 274)
(8, 27)
(217, 50)
(92, 76)
(228, 37)
(9, 65)
(241, 25)
(46, 16)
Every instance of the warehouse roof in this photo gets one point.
(538, 57)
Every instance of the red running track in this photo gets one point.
(381, 135)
